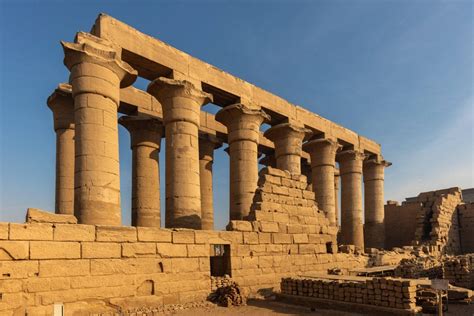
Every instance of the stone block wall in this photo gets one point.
(99, 268)
(400, 223)
(466, 227)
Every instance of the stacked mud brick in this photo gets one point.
(437, 222)
(385, 292)
(419, 267)
(466, 229)
(459, 270)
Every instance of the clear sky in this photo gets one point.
(398, 72)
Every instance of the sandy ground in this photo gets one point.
(258, 307)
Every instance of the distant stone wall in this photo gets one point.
(102, 268)
(466, 229)
(431, 219)
(400, 223)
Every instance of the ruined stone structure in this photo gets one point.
(279, 224)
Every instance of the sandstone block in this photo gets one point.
(264, 216)
(171, 250)
(34, 215)
(231, 236)
(18, 269)
(77, 232)
(300, 238)
(265, 261)
(279, 238)
(63, 268)
(241, 226)
(269, 227)
(209, 237)
(250, 238)
(183, 237)
(179, 265)
(101, 250)
(264, 238)
(4, 227)
(198, 250)
(14, 250)
(116, 233)
(31, 231)
(138, 249)
(47, 284)
(153, 234)
(54, 250)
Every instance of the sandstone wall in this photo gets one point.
(466, 227)
(400, 223)
(97, 268)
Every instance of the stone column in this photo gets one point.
(243, 127)
(207, 145)
(145, 133)
(268, 161)
(323, 161)
(97, 74)
(350, 166)
(336, 193)
(288, 140)
(374, 230)
(181, 103)
(62, 105)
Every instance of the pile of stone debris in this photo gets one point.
(459, 270)
(419, 267)
(164, 309)
(226, 292)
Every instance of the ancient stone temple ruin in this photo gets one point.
(284, 218)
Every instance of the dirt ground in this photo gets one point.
(260, 307)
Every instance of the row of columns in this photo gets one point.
(88, 180)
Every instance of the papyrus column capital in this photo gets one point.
(144, 131)
(322, 151)
(350, 161)
(61, 104)
(242, 121)
(166, 90)
(88, 48)
(207, 145)
(373, 168)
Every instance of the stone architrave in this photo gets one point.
(350, 168)
(181, 102)
(323, 161)
(207, 145)
(145, 134)
(288, 140)
(97, 74)
(243, 126)
(62, 105)
(374, 229)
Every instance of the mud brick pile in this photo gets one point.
(419, 267)
(459, 270)
(385, 292)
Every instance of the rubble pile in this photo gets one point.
(419, 267)
(386, 292)
(459, 270)
(226, 292)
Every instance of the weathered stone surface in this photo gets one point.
(63, 268)
(54, 250)
(14, 250)
(153, 234)
(74, 232)
(34, 231)
(116, 233)
(35, 215)
(138, 249)
(101, 250)
(4, 230)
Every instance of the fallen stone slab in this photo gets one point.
(34, 215)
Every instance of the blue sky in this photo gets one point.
(398, 72)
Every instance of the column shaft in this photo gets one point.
(323, 160)
(145, 143)
(336, 194)
(374, 230)
(62, 105)
(350, 166)
(243, 127)
(96, 77)
(288, 139)
(181, 103)
(206, 160)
